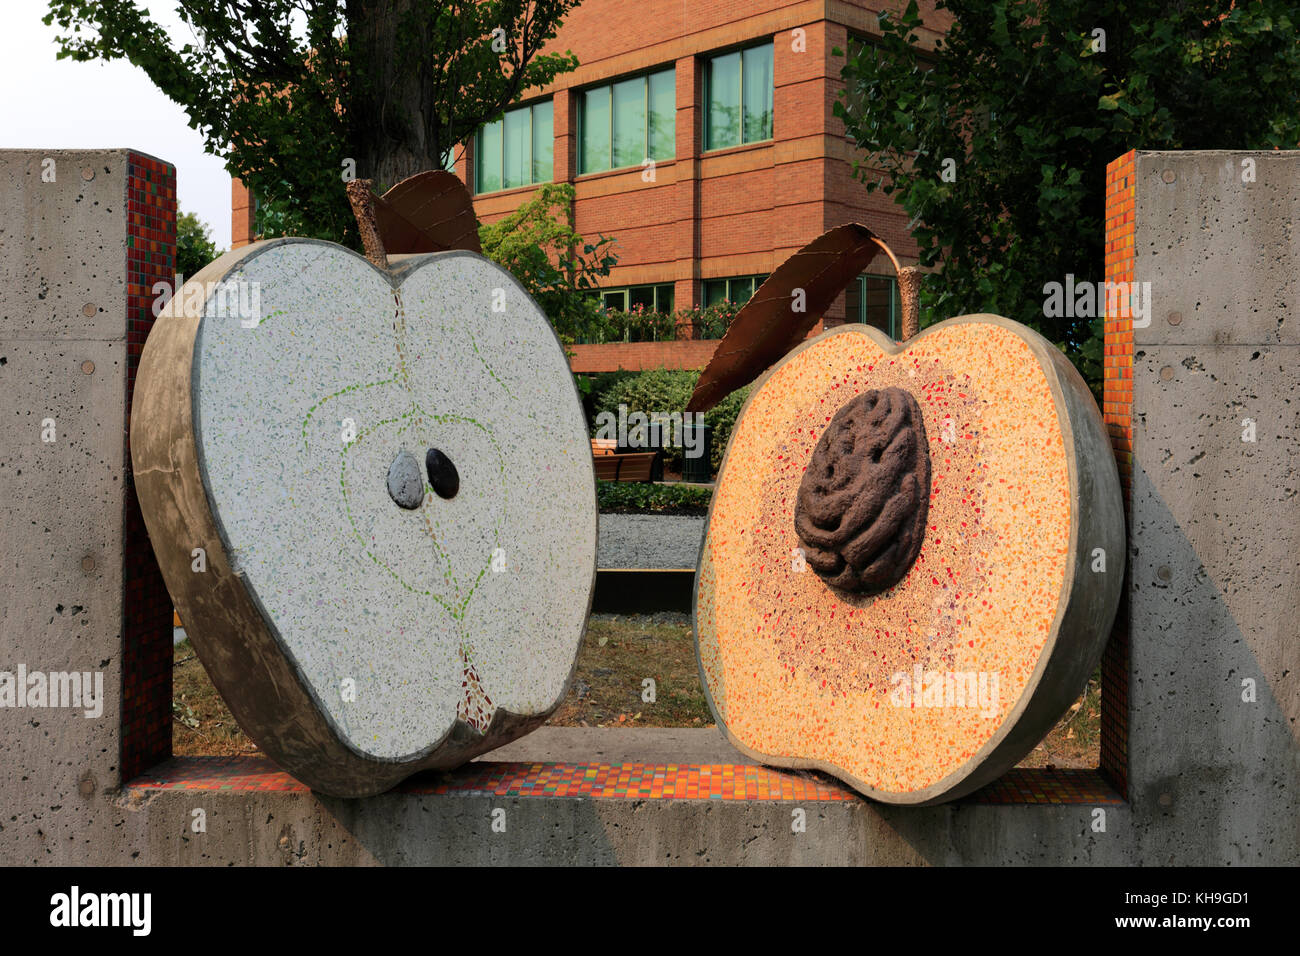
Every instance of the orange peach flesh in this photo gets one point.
(798, 670)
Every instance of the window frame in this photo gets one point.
(707, 88)
(647, 141)
(895, 318)
(757, 279)
(627, 290)
(531, 107)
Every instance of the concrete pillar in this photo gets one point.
(87, 235)
(1201, 684)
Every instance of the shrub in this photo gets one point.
(538, 245)
(668, 390)
(616, 496)
(713, 321)
(640, 324)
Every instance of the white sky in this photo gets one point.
(58, 104)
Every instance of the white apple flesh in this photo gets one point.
(420, 635)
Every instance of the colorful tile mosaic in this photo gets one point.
(147, 608)
(1117, 409)
(1047, 786)
(615, 781)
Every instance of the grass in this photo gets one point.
(1075, 741)
(201, 723)
(626, 497)
(616, 658)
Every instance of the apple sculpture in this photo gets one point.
(914, 552)
(373, 501)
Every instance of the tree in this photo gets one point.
(194, 245)
(1022, 107)
(296, 95)
(560, 269)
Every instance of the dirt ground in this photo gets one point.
(610, 689)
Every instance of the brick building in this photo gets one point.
(701, 136)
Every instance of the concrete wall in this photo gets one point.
(63, 304)
(1212, 600)
(1215, 552)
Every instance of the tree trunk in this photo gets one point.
(389, 103)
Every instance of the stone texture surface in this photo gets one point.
(386, 639)
(941, 683)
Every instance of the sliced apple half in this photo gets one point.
(389, 478)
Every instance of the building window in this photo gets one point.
(516, 150)
(738, 290)
(626, 123)
(873, 300)
(651, 298)
(738, 89)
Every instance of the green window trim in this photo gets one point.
(517, 150)
(874, 300)
(737, 289)
(751, 122)
(656, 297)
(617, 129)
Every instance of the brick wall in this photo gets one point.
(241, 215)
(639, 356)
(726, 213)
(146, 605)
(1117, 410)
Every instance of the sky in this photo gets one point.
(58, 104)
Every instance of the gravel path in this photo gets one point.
(649, 541)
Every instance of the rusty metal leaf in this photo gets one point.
(431, 211)
(768, 327)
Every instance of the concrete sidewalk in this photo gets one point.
(649, 541)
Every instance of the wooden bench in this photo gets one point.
(627, 466)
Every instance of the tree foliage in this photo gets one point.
(560, 269)
(289, 91)
(194, 245)
(1029, 102)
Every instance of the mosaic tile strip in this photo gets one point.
(1117, 409)
(147, 608)
(1023, 785)
(616, 781)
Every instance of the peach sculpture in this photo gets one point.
(915, 550)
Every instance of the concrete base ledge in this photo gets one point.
(485, 829)
(580, 797)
